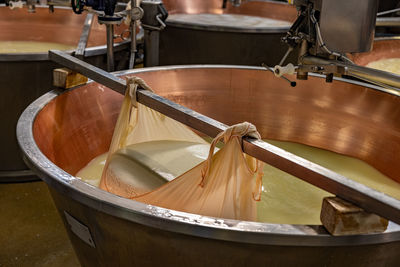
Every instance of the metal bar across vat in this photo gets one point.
(361, 195)
(94, 73)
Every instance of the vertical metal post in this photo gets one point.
(302, 75)
(133, 26)
(153, 20)
(132, 29)
(151, 48)
(110, 47)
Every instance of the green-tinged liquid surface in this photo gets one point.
(31, 46)
(285, 198)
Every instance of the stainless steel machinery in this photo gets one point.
(325, 30)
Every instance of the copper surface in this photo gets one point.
(62, 26)
(341, 117)
(382, 49)
(253, 8)
(95, 111)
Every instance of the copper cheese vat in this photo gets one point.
(190, 43)
(61, 132)
(383, 48)
(26, 76)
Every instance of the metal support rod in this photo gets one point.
(80, 50)
(388, 12)
(290, 49)
(381, 78)
(151, 48)
(110, 47)
(388, 22)
(302, 75)
(361, 195)
(133, 26)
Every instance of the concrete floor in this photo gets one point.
(31, 231)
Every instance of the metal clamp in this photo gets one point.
(155, 15)
(137, 13)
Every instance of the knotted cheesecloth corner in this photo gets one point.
(222, 186)
(138, 124)
(226, 184)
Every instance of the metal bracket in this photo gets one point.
(330, 68)
(154, 16)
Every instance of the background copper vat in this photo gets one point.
(187, 43)
(26, 76)
(62, 131)
(383, 48)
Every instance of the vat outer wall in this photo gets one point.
(194, 46)
(123, 243)
(188, 43)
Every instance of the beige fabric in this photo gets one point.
(138, 125)
(222, 186)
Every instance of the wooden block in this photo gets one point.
(340, 217)
(66, 78)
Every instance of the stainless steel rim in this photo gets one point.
(43, 56)
(215, 28)
(391, 38)
(210, 27)
(170, 220)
